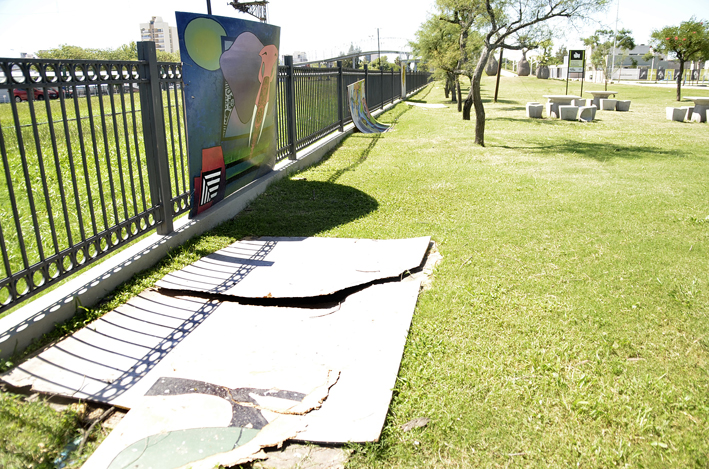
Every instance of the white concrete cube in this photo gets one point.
(695, 117)
(608, 104)
(568, 113)
(675, 114)
(587, 113)
(551, 110)
(622, 106)
(690, 111)
(578, 102)
(534, 110)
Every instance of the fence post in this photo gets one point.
(381, 85)
(154, 136)
(340, 93)
(392, 85)
(290, 106)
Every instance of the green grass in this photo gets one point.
(42, 174)
(568, 321)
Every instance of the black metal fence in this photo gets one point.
(94, 154)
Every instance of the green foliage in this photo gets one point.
(567, 324)
(383, 64)
(32, 434)
(602, 42)
(124, 52)
(686, 42)
(436, 42)
(559, 56)
(544, 57)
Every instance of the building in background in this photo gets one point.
(162, 34)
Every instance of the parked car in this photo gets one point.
(21, 94)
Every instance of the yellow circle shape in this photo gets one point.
(203, 38)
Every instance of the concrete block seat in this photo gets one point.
(587, 113)
(578, 102)
(623, 106)
(690, 111)
(695, 116)
(608, 104)
(534, 110)
(568, 113)
(675, 114)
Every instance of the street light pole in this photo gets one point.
(615, 35)
(652, 67)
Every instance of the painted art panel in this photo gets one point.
(359, 110)
(230, 71)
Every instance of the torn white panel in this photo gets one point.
(183, 343)
(298, 267)
(107, 360)
(186, 423)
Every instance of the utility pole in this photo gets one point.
(615, 35)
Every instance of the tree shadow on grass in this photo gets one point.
(598, 151)
(297, 207)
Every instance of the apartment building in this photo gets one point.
(162, 34)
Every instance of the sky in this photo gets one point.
(321, 28)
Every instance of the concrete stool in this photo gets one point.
(552, 110)
(568, 113)
(608, 104)
(675, 114)
(587, 113)
(690, 111)
(534, 110)
(695, 117)
(622, 106)
(578, 102)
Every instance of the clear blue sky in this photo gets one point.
(322, 28)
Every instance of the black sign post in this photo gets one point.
(577, 64)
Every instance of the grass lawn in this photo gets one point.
(568, 321)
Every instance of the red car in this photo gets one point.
(21, 94)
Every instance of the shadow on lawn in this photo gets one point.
(297, 207)
(599, 151)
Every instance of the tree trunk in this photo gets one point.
(475, 99)
(679, 79)
(453, 89)
(460, 96)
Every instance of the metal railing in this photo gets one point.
(94, 153)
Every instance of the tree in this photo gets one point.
(124, 52)
(602, 57)
(504, 24)
(437, 43)
(461, 13)
(559, 56)
(688, 41)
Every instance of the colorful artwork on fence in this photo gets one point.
(230, 71)
(361, 117)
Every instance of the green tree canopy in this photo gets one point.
(509, 24)
(602, 43)
(124, 52)
(686, 42)
(443, 43)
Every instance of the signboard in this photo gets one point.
(643, 74)
(576, 61)
(230, 71)
(660, 73)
